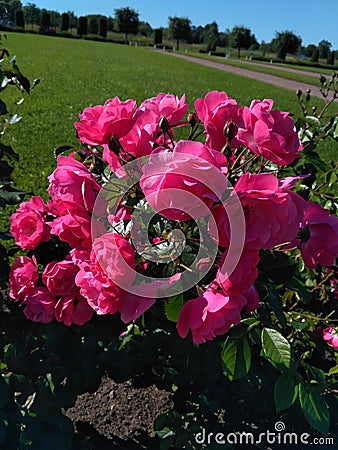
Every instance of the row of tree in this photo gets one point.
(126, 20)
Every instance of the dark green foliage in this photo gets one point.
(241, 37)
(127, 21)
(179, 28)
(65, 22)
(324, 48)
(103, 28)
(82, 30)
(93, 25)
(286, 42)
(315, 55)
(330, 58)
(19, 19)
(158, 36)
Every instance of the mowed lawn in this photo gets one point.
(77, 73)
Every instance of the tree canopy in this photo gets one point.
(241, 37)
(286, 42)
(127, 20)
(179, 28)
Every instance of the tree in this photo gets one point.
(158, 36)
(324, 48)
(179, 28)
(240, 37)
(145, 29)
(64, 22)
(330, 58)
(12, 7)
(197, 34)
(31, 13)
(127, 21)
(211, 36)
(286, 42)
(93, 26)
(73, 20)
(19, 19)
(309, 50)
(83, 26)
(224, 38)
(103, 27)
(45, 22)
(315, 55)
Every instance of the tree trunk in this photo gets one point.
(238, 52)
(177, 44)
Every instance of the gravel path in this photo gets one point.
(266, 78)
(283, 69)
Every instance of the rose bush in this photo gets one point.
(221, 229)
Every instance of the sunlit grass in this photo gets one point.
(77, 73)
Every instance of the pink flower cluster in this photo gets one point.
(181, 181)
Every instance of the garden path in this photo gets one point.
(265, 77)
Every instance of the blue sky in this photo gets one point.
(309, 19)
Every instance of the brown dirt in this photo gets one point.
(119, 415)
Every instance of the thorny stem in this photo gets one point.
(244, 164)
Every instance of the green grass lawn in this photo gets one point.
(78, 73)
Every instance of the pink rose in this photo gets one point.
(114, 255)
(99, 123)
(252, 298)
(109, 268)
(234, 280)
(209, 315)
(28, 225)
(77, 228)
(73, 309)
(186, 182)
(99, 291)
(216, 110)
(269, 133)
(40, 305)
(140, 140)
(165, 105)
(132, 307)
(59, 277)
(319, 237)
(72, 185)
(272, 212)
(330, 335)
(23, 277)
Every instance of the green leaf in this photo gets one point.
(303, 291)
(4, 391)
(276, 348)
(243, 328)
(236, 357)
(315, 409)
(331, 178)
(333, 370)
(11, 197)
(275, 302)
(335, 133)
(173, 307)
(314, 121)
(285, 392)
(8, 151)
(63, 149)
(3, 108)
